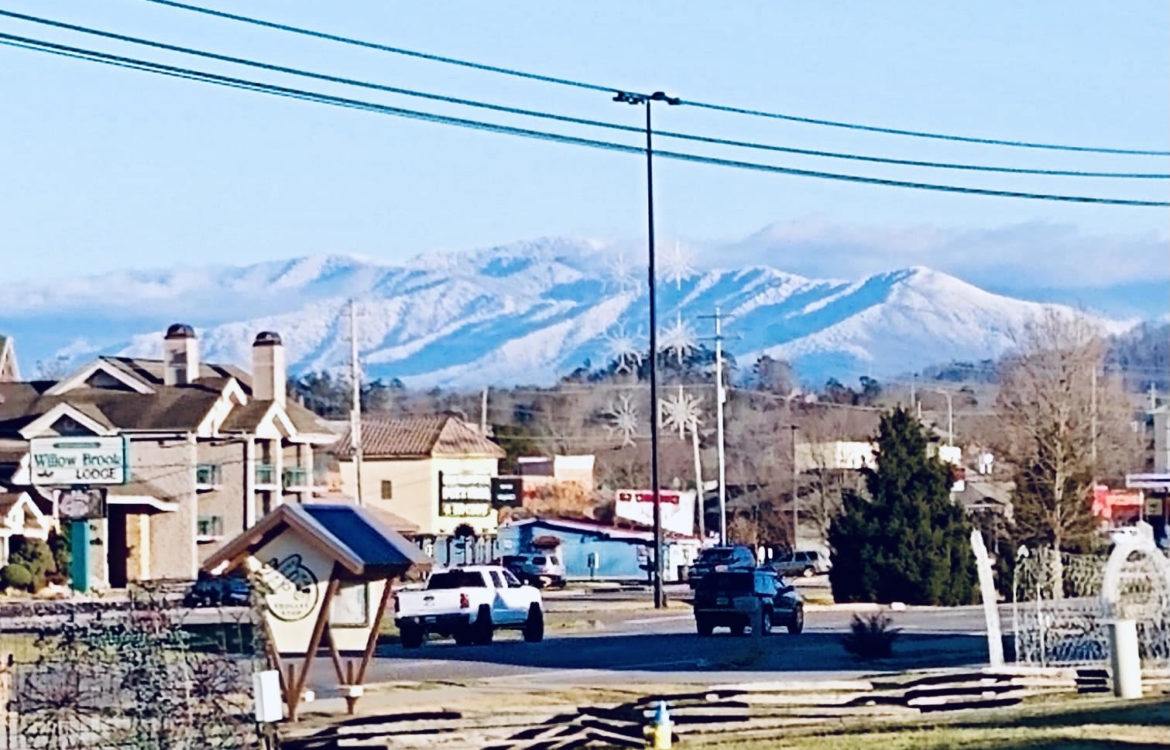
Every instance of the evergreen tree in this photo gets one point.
(906, 541)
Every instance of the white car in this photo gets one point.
(469, 603)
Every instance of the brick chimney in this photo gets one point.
(180, 355)
(268, 369)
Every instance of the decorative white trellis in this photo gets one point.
(1062, 602)
(685, 412)
(623, 348)
(678, 339)
(677, 266)
(625, 274)
(623, 419)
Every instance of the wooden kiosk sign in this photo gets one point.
(323, 572)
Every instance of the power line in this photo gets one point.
(610, 89)
(570, 119)
(301, 94)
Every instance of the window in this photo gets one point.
(455, 579)
(538, 560)
(210, 526)
(497, 581)
(387, 489)
(554, 561)
(513, 581)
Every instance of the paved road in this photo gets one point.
(645, 647)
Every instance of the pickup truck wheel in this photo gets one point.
(738, 629)
(483, 628)
(534, 625)
(464, 636)
(796, 624)
(704, 627)
(411, 636)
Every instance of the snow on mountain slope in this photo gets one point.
(522, 313)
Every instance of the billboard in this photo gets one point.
(68, 461)
(678, 509)
(465, 495)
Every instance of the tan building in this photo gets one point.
(550, 471)
(434, 472)
(210, 447)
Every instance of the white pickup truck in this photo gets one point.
(469, 603)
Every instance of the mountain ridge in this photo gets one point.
(526, 312)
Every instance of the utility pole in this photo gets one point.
(483, 413)
(646, 101)
(914, 391)
(795, 492)
(355, 413)
(720, 399)
(950, 415)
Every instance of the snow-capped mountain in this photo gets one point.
(522, 313)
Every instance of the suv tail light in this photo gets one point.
(464, 602)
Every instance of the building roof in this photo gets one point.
(159, 408)
(591, 527)
(151, 371)
(420, 437)
(356, 540)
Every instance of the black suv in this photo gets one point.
(218, 591)
(715, 559)
(731, 599)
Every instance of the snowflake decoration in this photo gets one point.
(626, 274)
(623, 416)
(677, 266)
(683, 412)
(679, 339)
(624, 349)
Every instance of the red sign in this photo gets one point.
(647, 496)
(1109, 503)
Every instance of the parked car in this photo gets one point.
(469, 603)
(732, 599)
(537, 568)
(805, 563)
(218, 591)
(737, 557)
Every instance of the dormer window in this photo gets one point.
(67, 426)
(105, 381)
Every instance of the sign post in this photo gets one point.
(79, 555)
(73, 464)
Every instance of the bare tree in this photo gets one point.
(1065, 425)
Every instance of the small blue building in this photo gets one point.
(595, 551)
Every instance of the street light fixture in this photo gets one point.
(646, 100)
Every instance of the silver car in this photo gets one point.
(804, 563)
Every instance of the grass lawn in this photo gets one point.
(1075, 724)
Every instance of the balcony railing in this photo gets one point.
(208, 475)
(295, 476)
(265, 474)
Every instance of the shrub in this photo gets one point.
(16, 576)
(34, 555)
(59, 544)
(870, 637)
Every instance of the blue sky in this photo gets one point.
(108, 169)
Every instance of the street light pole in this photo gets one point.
(646, 101)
